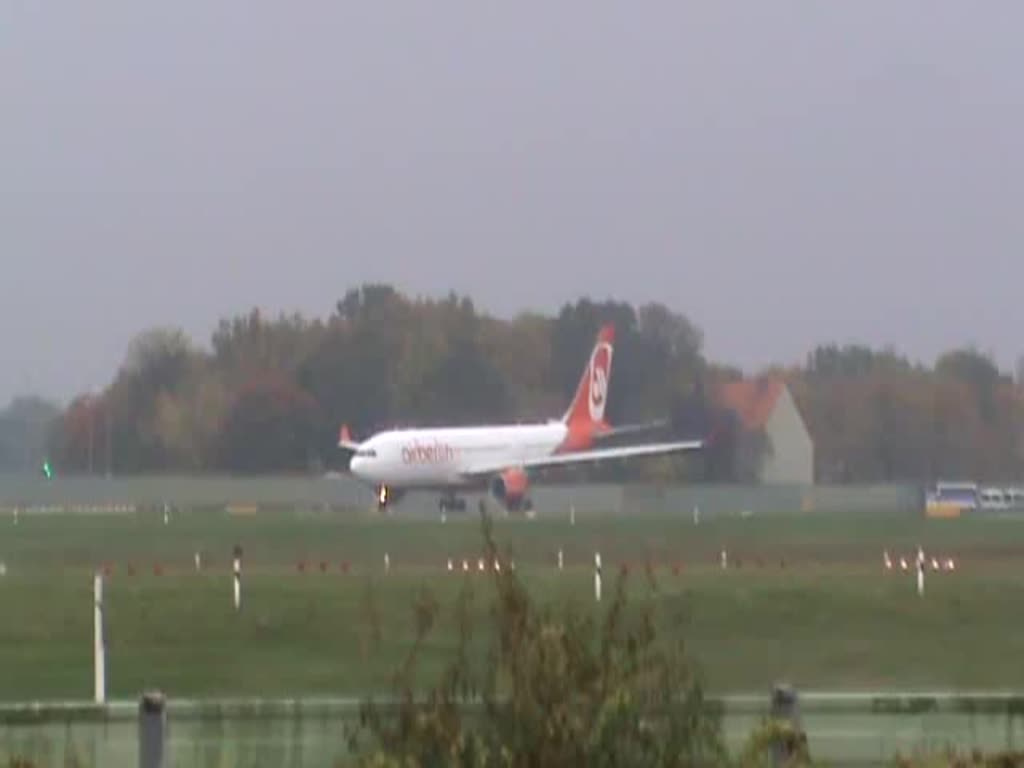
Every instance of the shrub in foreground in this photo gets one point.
(558, 687)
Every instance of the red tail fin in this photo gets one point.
(587, 407)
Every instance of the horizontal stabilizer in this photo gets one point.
(345, 439)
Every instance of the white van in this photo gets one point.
(1015, 497)
(993, 498)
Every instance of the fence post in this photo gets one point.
(152, 730)
(785, 710)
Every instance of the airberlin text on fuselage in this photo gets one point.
(429, 453)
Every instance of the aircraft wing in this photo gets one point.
(582, 457)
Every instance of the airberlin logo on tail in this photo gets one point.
(427, 453)
(600, 367)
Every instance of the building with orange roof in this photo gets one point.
(772, 427)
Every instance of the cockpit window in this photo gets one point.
(367, 453)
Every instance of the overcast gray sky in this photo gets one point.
(785, 173)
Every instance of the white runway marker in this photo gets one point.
(99, 650)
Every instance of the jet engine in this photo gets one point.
(510, 489)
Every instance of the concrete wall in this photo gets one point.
(342, 492)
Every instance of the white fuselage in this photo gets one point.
(438, 458)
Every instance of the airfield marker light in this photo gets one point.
(480, 564)
(903, 564)
(572, 515)
(920, 576)
(199, 562)
(15, 515)
(560, 560)
(597, 576)
(387, 563)
(47, 470)
(696, 515)
(497, 566)
(725, 559)
(465, 565)
(451, 567)
(935, 564)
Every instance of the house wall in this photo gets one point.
(791, 458)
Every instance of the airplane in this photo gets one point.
(500, 458)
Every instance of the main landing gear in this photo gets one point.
(451, 503)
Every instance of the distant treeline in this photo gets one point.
(271, 393)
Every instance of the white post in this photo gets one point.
(696, 515)
(597, 576)
(920, 570)
(166, 514)
(199, 562)
(560, 560)
(725, 560)
(387, 563)
(237, 569)
(99, 652)
(15, 515)
(572, 515)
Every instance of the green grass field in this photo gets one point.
(806, 598)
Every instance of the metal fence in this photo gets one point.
(841, 728)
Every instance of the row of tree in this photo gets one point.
(269, 394)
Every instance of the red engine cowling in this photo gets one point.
(510, 488)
